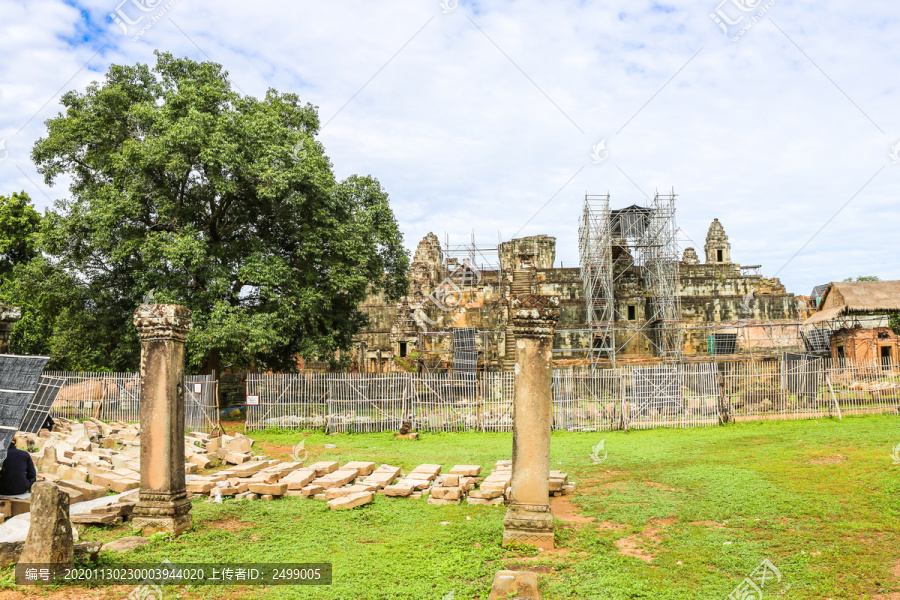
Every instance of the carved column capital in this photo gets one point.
(162, 322)
(533, 316)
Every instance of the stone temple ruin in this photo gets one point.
(634, 297)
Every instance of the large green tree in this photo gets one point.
(19, 226)
(221, 202)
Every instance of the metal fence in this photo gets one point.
(634, 396)
(117, 397)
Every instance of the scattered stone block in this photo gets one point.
(418, 484)
(446, 493)
(201, 460)
(268, 489)
(267, 497)
(115, 483)
(426, 471)
(324, 467)
(401, 489)
(450, 480)
(441, 501)
(484, 494)
(492, 501)
(235, 458)
(299, 478)
(90, 491)
(351, 501)
(312, 490)
(364, 468)
(466, 470)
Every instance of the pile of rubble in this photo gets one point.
(91, 458)
(356, 483)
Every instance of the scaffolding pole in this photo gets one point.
(595, 249)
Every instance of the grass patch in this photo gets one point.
(670, 514)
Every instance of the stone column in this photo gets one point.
(163, 503)
(528, 519)
(8, 317)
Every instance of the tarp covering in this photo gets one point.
(19, 378)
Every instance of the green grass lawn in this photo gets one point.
(668, 514)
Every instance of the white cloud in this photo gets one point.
(468, 136)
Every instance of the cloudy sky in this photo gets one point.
(779, 117)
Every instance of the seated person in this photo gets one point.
(17, 474)
(48, 423)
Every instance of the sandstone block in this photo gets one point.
(440, 501)
(299, 478)
(431, 470)
(201, 460)
(484, 494)
(446, 493)
(116, 483)
(241, 445)
(199, 487)
(450, 480)
(268, 489)
(88, 490)
(235, 458)
(399, 489)
(312, 490)
(324, 467)
(340, 492)
(466, 470)
(73, 473)
(351, 501)
(364, 468)
(492, 501)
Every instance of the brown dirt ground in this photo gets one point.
(661, 486)
(645, 545)
(230, 524)
(712, 524)
(828, 460)
(565, 511)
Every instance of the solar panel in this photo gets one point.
(19, 378)
(41, 403)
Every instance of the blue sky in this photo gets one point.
(778, 117)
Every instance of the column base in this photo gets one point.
(153, 514)
(530, 524)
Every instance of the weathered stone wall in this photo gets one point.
(715, 293)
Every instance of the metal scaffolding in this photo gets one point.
(595, 249)
(633, 241)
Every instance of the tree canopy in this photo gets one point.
(224, 203)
